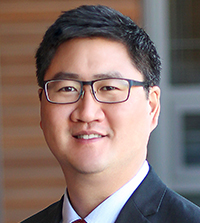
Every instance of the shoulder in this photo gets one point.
(52, 213)
(177, 207)
(154, 202)
(170, 206)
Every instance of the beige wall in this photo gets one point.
(32, 178)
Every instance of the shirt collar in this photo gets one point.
(109, 209)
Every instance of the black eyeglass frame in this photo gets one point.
(144, 84)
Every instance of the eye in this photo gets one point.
(108, 88)
(67, 89)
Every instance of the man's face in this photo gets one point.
(89, 137)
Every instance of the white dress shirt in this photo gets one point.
(109, 209)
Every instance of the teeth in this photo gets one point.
(91, 136)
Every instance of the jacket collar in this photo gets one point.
(54, 212)
(145, 201)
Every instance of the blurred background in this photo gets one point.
(30, 177)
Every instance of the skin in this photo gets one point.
(96, 168)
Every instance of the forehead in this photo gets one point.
(92, 56)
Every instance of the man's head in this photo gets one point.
(100, 21)
(86, 135)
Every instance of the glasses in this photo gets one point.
(108, 90)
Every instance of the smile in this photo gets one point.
(90, 136)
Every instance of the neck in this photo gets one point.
(87, 191)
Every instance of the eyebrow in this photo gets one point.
(113, 74)
(66, 75)
(63, 75)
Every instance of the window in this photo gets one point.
(185, 41)
(192, 139)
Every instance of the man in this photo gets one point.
(99, 75)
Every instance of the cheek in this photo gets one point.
(54, 123)
(54, 118)
(48, 125)
(47, 116)
(118, 119)
(130, 123)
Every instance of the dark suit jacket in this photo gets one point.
(151, 202)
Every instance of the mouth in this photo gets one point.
(88, 136)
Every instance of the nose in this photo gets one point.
(87, 108)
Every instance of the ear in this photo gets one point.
(40, 90)
(154, 102)
(40, 97)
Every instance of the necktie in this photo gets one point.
(79, 221)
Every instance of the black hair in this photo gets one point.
(100, 21)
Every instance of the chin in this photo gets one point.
(89, 168)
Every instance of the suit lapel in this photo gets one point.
(131, 214)
(145, 201)
(54, 213)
